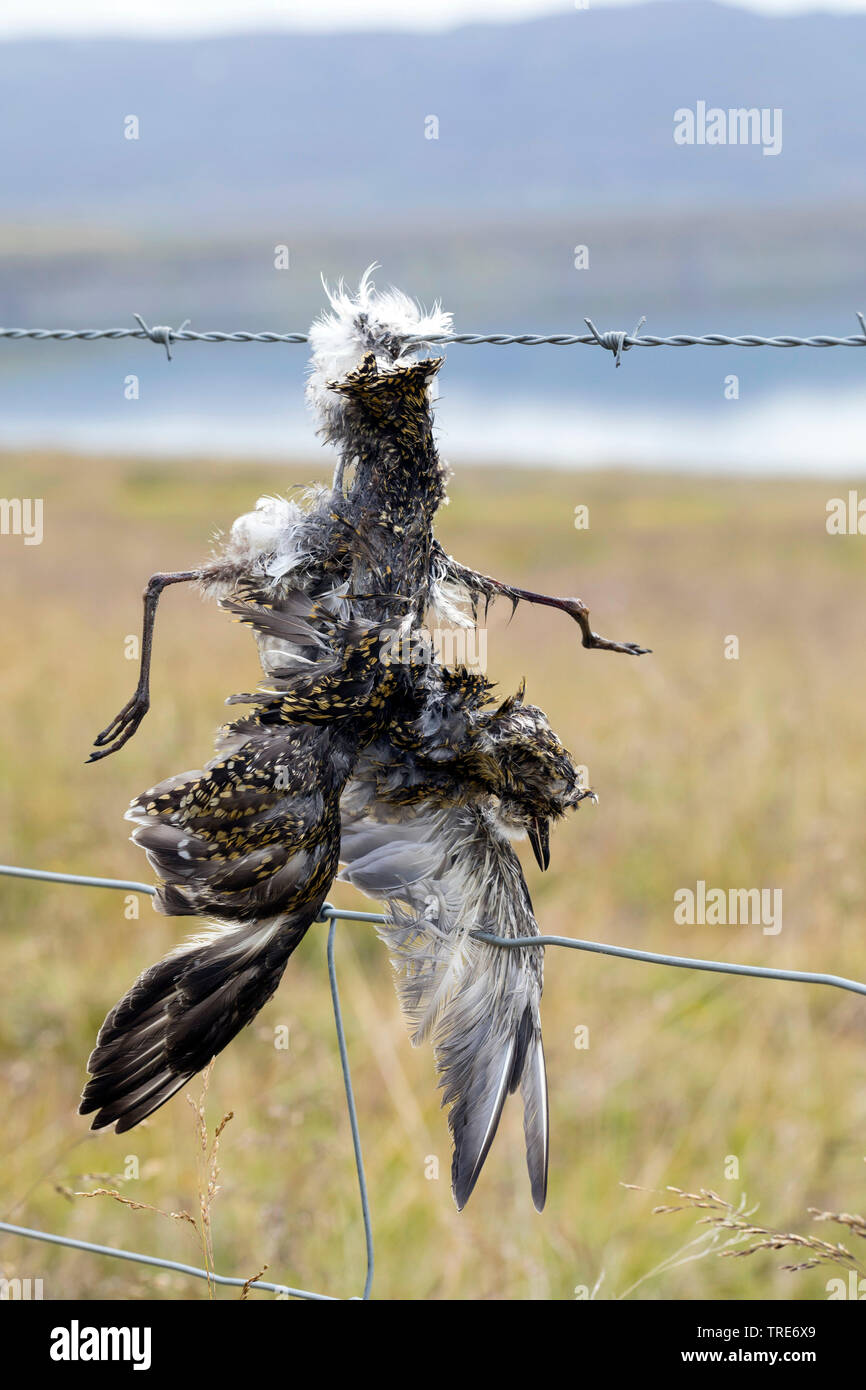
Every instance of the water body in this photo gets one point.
(797, 410)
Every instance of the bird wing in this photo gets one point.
(251, 840)
(445, 872)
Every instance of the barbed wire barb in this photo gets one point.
(616, 342)
(162, 333)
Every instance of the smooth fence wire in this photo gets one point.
(616, 341)
(329, 914)
(332, 915)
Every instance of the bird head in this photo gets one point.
(531, 773)
(381, 333)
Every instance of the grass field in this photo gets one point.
(742, 773)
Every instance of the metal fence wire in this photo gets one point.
(616, 340)
(332, 915)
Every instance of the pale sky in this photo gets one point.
(174, 17)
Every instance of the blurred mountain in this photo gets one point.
(553, 135)
(572, 112)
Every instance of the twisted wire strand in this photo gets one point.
(608, 340)
(615, 341)
(177, 335)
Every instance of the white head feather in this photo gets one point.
(363, 323)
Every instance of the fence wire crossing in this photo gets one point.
(332, 915)
(616, 340)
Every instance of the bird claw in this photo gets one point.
(630, 648)
(579, 611)
(121, 728)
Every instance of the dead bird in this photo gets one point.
(349, 757)
(416, 782)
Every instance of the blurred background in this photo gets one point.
(273, 127)
(555, 131)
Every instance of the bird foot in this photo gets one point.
(121, 728)
(580, 613)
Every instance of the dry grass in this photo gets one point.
(732, 1234)
(747, 773)
(208, 1174)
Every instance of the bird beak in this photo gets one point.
(539, 838)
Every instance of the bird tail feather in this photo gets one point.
(533, 1090)
(478, 1003)
(480, 1067)
(180, 1013)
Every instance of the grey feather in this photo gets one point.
(442, 874)
(536, 1128)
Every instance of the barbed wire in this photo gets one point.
(332, 915)
(616, 340)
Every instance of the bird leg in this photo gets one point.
(482, 586)
(577, 610)
(127, 720)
